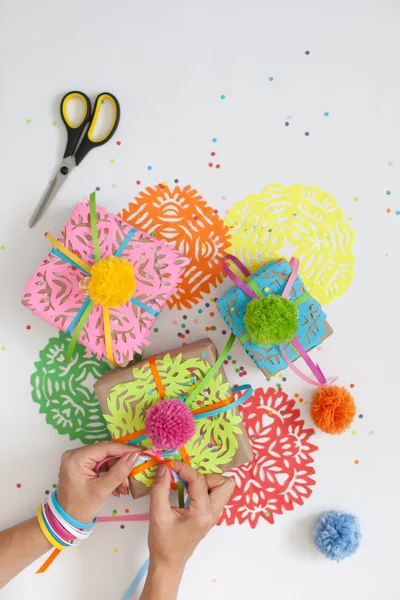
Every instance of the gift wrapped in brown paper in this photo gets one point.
(194, 376)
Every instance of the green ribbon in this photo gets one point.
(93, 224)
(217, 365)
(78, 329)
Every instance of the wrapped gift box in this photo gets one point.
(58, 291)
(126, 395)
(313, 328)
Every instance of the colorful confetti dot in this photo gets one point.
(326, 114)
(28, 327)
(149, 167)
(214, 140)
(356, 462)
(388, 210)
(307, 52)
(115, 550)
(360, 416)
(3, 348)
(287, 124)
(112, 160)
(306, 133)
(54, 123)
(2, 247)
(352, 385)
(138, 182)
(397, 212)
(217, 166)
(222, 96)
(28, 121)
(19, 485)
(353, 432)
(355, 199)
(390, 163)
(47, 492)
(210, 164)
(97, 189)
(114, 512)
(122, 526)
(118, 143)
(388, 192)
(270, 78)
(54, 486)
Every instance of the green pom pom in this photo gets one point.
(271, 320)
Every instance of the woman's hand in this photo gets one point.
(175, 532)
(80, 491)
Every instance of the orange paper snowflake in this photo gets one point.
(185, 220)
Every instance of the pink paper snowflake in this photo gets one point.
(279, 476)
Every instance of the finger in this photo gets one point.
(221, 489)
(159, 493)
(117, 474)
(197, 486)
(98, 452)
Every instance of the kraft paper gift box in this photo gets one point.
(58, 291)
(126, 395)
(313, 327)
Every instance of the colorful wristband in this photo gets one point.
(69, 519)
(45, 531)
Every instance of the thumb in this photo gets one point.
(117, 473)
(159, 492)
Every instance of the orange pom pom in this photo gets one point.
(333, 409)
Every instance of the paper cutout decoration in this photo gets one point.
(65, 394)
(312, 325)
(280, 475)
(189, 224)
(176, 374)
(300, 221)
(126, 396)
(58, 292)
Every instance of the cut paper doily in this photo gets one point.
(184, 219)
(300, 221)
(215, 441)
(280, 475)
(64, 391)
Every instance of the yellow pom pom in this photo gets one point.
(112, 282)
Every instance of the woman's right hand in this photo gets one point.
(175, 532)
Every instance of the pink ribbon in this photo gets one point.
(243, 285)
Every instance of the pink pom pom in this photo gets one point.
(170, 424)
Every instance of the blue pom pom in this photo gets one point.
(337, 535)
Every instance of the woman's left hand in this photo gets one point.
(80, 491)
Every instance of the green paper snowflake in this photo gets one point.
(65, 393)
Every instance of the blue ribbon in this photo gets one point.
(67, 259)
(126, 241)
(148, 309)
(134, 585)
(78, 316)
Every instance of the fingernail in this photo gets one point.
(132, 458)
(126, 483)
(161, 470)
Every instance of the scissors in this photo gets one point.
(79, 142)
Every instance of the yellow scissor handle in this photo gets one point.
(64, 104)
(101, 99)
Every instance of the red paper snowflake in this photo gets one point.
(279, 476)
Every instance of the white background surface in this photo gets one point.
(168, 62)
